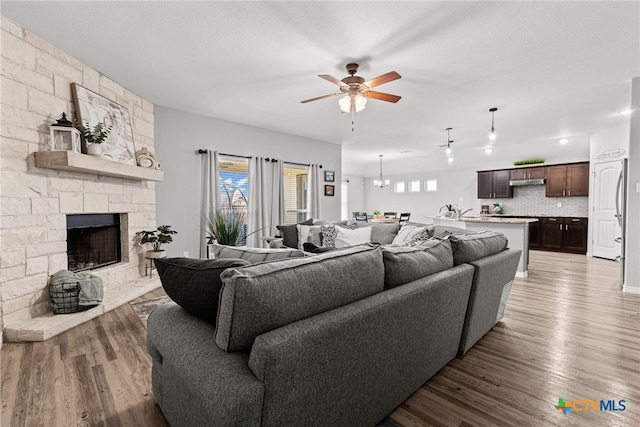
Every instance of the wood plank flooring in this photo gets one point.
(568, 332)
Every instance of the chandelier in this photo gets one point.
(380, 183)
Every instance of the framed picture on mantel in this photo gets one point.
(93, 108)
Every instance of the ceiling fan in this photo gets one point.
(357, 90)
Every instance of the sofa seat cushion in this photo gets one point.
(289, 233)
(403, 264)
(254, 255)
(195, 284)
(470, 247)
(258, 298)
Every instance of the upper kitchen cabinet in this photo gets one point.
(568, 180)
(494, 185)
(528, 173)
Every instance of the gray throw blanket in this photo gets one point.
(90, 286)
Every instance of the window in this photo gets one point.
(234, 189)
(295, 193)
(414, 186)
(398, 186)
(431, 185)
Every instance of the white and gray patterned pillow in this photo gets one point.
(309, 233)
(329, 234)
(419, 238)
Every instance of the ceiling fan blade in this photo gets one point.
(382, 96)
(320, 97)
(332, 79)
(385, 78)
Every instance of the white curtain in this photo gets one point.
(313, 191)
(277, 197)
(210, 198)
(266, 199)
(258, 205)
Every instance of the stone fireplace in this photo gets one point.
(40, 201)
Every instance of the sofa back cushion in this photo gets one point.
(382, 233)
(254, 255)
(194, 284)
(470, 247)
(403, 264)
(258, 298)
(290, 233)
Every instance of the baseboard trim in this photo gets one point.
(630, 289)
(522, 274)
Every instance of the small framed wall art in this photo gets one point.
(329, 190)
(329, 176)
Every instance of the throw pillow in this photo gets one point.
(254, 255)
(329, 232)
(407, 231)
(309, 233)
(347, 237)
(290, 233)
(419, 238)
(194, 284)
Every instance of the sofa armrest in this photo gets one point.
(492, 274)
(354, 364)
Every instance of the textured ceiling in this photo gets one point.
(553, 69)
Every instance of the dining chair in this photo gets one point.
(391, 214)
(404, 217)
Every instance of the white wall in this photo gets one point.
(452, 186)
(633, 200)
(604, 140)
(178, 135)
(355, 194)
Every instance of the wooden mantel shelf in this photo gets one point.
(76, 162)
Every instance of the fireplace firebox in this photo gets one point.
(93, 240)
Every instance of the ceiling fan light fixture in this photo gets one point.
(345, 103)
(492, 131)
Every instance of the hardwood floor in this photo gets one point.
(568, 332)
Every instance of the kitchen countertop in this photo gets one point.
(531, 216)
(496, 219)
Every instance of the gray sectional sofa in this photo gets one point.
(340, 338)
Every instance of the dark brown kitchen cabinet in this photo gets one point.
(494, 185)
(564, 234)
(568, 180)
(535, 235)
(528, 173)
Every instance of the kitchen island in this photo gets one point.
(516, 230)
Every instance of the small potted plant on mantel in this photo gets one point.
(158, 237)
(93, 136)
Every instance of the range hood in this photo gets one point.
(519, 182)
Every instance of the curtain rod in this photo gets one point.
(267, 159)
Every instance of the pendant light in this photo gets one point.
(448, 150)
(380, 183)
(492, 131)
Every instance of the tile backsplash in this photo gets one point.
(531, 201)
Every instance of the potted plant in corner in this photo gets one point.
(93, 136)
(158, 237)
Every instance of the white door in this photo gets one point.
(605, 223)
